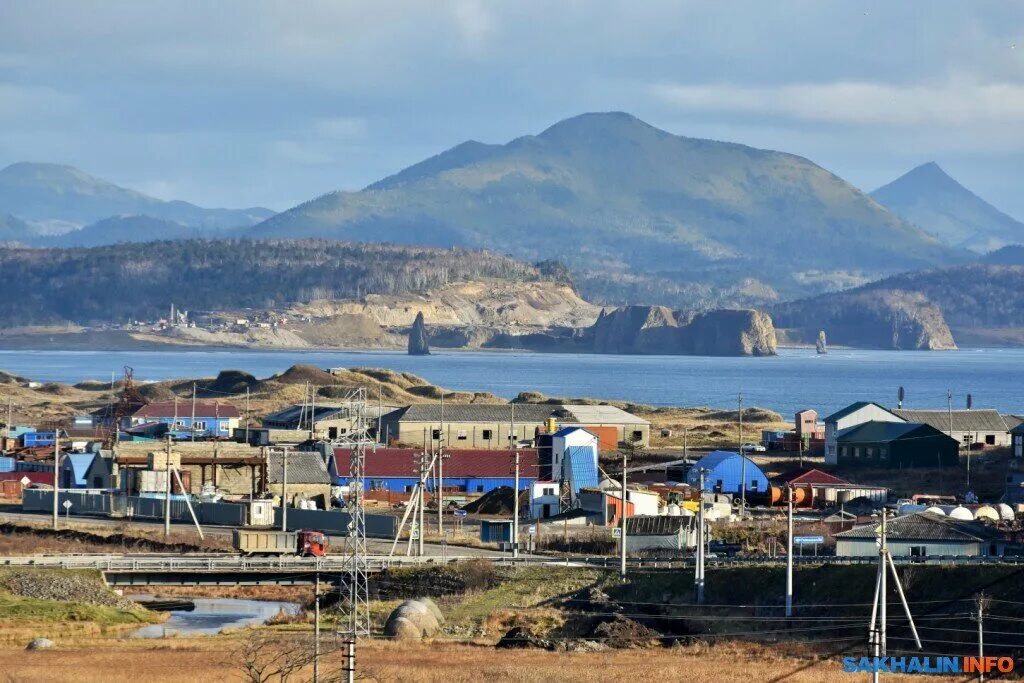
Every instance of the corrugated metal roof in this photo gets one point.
(877, 432)
(291, 414)
(1013, 421)
(404, 462)
(79, 463)
(852, 408)
(662, 525)
(481, 412)
(926, 526)
(588, 414)
(304, 467)
(581, 460)
(811, 475)
(963, 420)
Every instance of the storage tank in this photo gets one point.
(674, 510)
(987, 512)
(777, 495)
(846, 495)
(830, 494)
(911, 508)
(961, 513)
(1005, 512)
(936, 510)
(552, 425)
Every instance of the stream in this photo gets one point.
(213, 615)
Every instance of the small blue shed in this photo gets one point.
(724, 473)
(496, 531)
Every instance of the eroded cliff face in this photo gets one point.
(658, 330)
(879, 319)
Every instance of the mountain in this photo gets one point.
(55, 199)
(631, 208)
(12, 229)
(122, 229)
(1010, 255)
(928, 197)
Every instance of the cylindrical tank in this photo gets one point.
(845, 496)
(1005, 512)
(911, 508)
(552, 425)
(830, 494)
(987, 512)
(934, 509)
(673, 510)
(777, 495)
(961, 513)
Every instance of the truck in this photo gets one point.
(305, 543)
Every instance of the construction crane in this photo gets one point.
(127, 404)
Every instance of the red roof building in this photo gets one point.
(827, 490)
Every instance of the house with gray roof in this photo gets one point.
(923, 534)
(852, 415)
(896, 445)
(307, 477)
(966, 426)
(497, 426)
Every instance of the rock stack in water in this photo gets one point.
(418, 345)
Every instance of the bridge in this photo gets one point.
(228, 569)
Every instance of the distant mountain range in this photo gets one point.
(928, 197)
(634, 211)
(53, 199)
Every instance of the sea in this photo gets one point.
(793, 380)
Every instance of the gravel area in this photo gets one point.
(65, 586)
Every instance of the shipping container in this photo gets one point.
(607, 437)
(6, 464)
(264, 542)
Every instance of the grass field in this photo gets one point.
(215, 659)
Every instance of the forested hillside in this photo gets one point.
(140, 281)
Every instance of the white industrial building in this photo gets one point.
(923, 534)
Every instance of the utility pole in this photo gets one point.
(10, 415)
(981, 601)
(949, 411)
(167, 492)
(192, 424)
(622, 521)
(247, 414)
(883, 605)
(699, 572)
(789, 556)
(312, 413)
(419, 512)
(515, 513)
(316, 631)
(56, 476)
(743, 461)
(440, 475)
(686, 453)
(284, 489)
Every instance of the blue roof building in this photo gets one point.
(73, 468)
(724, 473)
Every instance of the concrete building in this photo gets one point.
(308, 478)
(896, 445)
(606, 504)
(724, 474)
(325, 421)
(1017, 436)
(852, 415)
(478, 426)
(968, 426)
(651, 534)
(923, 534)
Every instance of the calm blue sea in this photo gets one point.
(794, 379)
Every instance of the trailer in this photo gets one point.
(305, 543)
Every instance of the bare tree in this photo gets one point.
(264, 657)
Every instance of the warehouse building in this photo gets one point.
(496, 426)
(896, 445)
(469, 471)
(651, 534)
(968, 426)
(307, 478)
(923, 534)
(822, 489)
(852, 415)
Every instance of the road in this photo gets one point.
(375, 546)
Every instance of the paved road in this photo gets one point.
(374, 545)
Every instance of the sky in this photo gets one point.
(272, 103)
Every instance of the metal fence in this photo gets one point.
(219, 514)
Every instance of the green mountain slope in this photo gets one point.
(928, 197)
(620, 200)
(55, 198)
(123, 229)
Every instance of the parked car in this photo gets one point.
(753, 448)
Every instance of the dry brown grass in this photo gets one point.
(189, 661)
(300, 594)
(36, 538)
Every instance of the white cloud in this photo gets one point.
(341, 128)
(952, 102)
(474, 23)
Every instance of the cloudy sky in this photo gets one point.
(272, 103)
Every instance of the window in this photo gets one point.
(549, 491)
(97, 483)
(435, 434)
(638, 435)
(332, 432)
(199, 425)
(753, 485)
(918, 551)
(856, 451)
(479, 488)
(843, 452)
(179, 424)
(487, 434)
(462, 436)
(883, 452)
(990, 439)
(869, 452)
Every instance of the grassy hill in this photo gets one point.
(928, 197)
(140, 281)
(629, 208)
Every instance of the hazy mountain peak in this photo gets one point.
(932, 199)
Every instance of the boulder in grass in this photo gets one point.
(41, 644)
(400, 628)
(434, 609)
(418, 613)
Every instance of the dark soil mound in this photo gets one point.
(498, 501)
(521, 638)
(232, 382)
(623, 633)
(300, 374)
